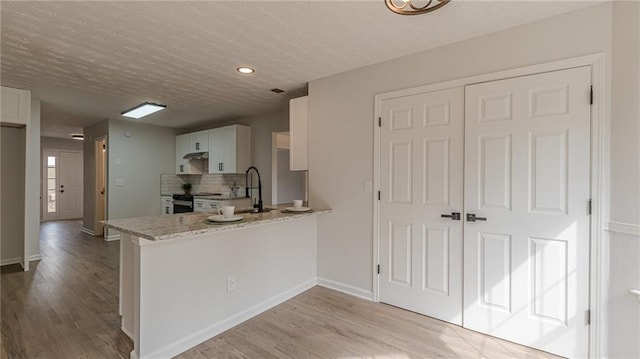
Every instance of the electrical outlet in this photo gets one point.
(231, 283)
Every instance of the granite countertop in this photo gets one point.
(173, 226)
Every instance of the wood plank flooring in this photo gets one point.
(67, 307)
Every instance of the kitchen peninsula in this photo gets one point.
(184, 280)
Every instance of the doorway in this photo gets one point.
(62, 181)
(510, 258)
(286, 185)
(101, 188)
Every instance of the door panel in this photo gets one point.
(527, 146)
(70, 185)
(421, 179)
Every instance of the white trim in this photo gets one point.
(16, 260)
(211, 331)
(112, 237)
(625, 228)
(87, 231)
(599, 257)
(127, 332)
(346, 289)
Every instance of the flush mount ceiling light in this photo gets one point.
(77, 136)
(245, 70)
(414, 7)
(143, 109)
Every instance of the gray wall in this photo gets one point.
(148, 153)
(53, 143)
(341, 110)
(12, 162)
(625, 181)
(33, 180)
(98, 130)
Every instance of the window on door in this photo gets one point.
(51, 184)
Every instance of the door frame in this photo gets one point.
(600, 188)
(100, 161)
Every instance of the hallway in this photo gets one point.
(67, 305)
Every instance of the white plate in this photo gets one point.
(221, 218)
(294, 209)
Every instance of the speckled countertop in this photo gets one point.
(172, 226)
(204, 196)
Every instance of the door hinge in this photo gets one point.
(590, 205)
(379, 121)
(587, 317)
(379, 195)
(591, 95)
(378, 269)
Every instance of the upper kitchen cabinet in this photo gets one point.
(199, 141)
(16, 105)
(229, 149)
(298, 132)
(185, 144)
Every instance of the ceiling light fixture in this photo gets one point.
(414, 7)
(143, 109)
(245, 70)
(77, 136)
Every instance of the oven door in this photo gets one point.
(180, 206)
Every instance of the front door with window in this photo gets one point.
(63, 190)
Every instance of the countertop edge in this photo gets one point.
(215, 228)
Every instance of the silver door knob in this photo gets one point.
(471, 217)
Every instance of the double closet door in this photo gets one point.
(484, 211)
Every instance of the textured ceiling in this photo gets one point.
(89, 61)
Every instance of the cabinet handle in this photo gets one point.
(181, 168)
(220, 166)
(198, 146)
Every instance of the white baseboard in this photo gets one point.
(345, 288)
(209, 332)
(127, 332)
(88, 231)
(626, 228)
(33, 257)
(112, 237)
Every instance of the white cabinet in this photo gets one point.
(184, 145)
(198, 141)
(167, 205)
(16, 106)
(298, 132)
(229, 149)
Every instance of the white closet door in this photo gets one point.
(421, 179)
(526, 271)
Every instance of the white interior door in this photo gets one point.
(421, 179)
(527, 172)
(70, 185)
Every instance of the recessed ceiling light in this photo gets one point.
(77, 136)
(143, 109)
(245, 70)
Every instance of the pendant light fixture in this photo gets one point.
(414, 7)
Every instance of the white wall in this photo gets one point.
(624, 323)
(12, 188)
(139, 161)
(341, 110)
(32, 182)
(54, 143)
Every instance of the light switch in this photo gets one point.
(119, 181)
(368, 186)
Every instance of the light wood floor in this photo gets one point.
(67, 307)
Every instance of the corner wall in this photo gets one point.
(138, 161)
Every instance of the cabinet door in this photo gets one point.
(200, 141)
(182, 147)
(216, 151)
(229, 144)
(298, 134)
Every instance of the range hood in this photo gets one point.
(196, 156)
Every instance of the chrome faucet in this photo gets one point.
(259, 206)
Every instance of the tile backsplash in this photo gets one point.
(213, 183)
